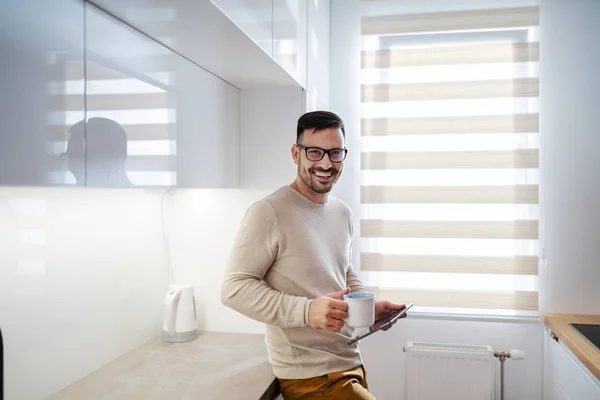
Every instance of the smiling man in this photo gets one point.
(290, 267)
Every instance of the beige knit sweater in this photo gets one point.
(289, 250)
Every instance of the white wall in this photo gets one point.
(570, 104)
(268, 120)
(83, 274)
(202, 223)
(383, 355)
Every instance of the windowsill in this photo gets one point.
(476, 317)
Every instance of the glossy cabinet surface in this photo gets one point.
(317, 86)
(151, 113)
(280, 27)
(108, 107)
(42, 87)
(254, 17)
(290, 37)
(564, 378)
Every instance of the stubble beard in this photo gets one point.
(309, 179)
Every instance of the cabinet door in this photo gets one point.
(551, 389)
(564, 377)
(131, 101)
(318, 55)
(254, 17)
(153, 117)
(290, 37)
(41, 47)
(208, 113)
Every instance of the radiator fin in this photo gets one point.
(450, 347)
(446, 371)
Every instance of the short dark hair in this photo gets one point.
(319, 120)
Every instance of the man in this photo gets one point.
(290, 268)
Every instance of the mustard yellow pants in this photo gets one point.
(346, 385)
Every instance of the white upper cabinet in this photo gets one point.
(41, 47)
(277, 26)
(153, 117)
(290, 37)
(317, 96)
(155, 99)
(204, 33)
(254, 17)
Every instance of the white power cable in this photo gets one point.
(165, 229)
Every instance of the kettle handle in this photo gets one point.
(171, 303)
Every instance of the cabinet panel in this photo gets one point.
(318, 54)
(551, 390)
(131, 106)
(41, 47)
(207, 130)
(254, 17)
(290, 37)
(564, 378)
(153, 117)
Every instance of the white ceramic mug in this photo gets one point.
(361, 309)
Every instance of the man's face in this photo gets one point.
(319, 176)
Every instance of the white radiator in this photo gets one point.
(436, 371)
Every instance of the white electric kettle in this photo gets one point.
(180, 324)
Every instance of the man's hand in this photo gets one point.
(328, 312)
(385, 308)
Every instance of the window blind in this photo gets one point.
(450, 159)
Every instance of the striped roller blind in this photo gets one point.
(449, 159)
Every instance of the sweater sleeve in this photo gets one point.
(353, 281)
(254, 251)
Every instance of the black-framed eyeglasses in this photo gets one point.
(317, 153)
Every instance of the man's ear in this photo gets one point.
(295, 153)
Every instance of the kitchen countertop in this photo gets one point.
(215, 366)
(587, 354)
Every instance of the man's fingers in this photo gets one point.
(339, 295)
(394, 307)
(335, 322)
(334, 328)
(339, 305)
(339, 314)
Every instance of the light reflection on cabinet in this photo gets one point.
(278, 26)
(41, 44)
(290, 37)
(180, 121)
(131, 105)
(131, 113)
(254, 17)
(317, 73)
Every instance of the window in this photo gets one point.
(449, 160)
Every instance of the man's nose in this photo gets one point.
(325, 163)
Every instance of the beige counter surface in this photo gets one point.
(587, 354)
(213, 367)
